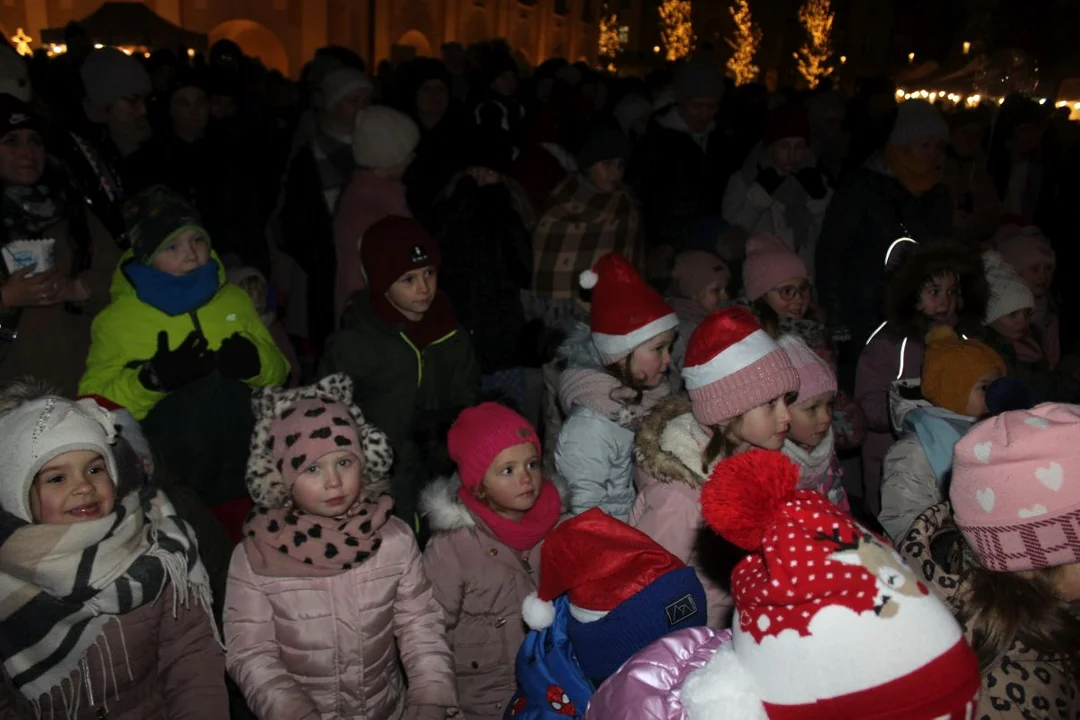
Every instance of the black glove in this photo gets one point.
(812, 181)
(769, 179)
(237, 358)
(169, 369)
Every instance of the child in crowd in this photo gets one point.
(484, 554)
(1010, 332)
(698, 286)
(935, 285)
(741, 384)
(811, 442)
(606, 590)
(401, 344)
(833, 625)
(327, 599)
(173, 318)
(106, 608)
(1012, 580)
(264, 299)
(956, 373)
(778, 290)
(1029, 251)
(616, 374)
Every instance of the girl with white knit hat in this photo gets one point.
(740, 384)
(616, 373)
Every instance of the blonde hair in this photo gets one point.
(725, 441)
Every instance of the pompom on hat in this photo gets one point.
(732, 366)
(830, 623)
(626, 311)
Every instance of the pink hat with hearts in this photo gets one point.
(1016, 488)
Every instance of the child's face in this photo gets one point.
(189, 251)
(413, 292)
(711, 296)
(939, 297)
(512, 482)
(650, 361)
(607, 175)
(72, 488)
(976, 406)
(766, 426)
(1038, 277)
(810, 419)
(1014, 326)
(330, 485)
(791, 298)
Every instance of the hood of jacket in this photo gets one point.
(440, 504)
(902, 293)
(936, 429)
(650, 455)
(578, 351)
(900, 406)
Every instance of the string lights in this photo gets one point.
(608, 43)
(745, 44)
(676, 29)
(816, 17)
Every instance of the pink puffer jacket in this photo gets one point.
(648, 686)
(667, 507)
(309, 648)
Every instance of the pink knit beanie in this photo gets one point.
(769, 262)
(696, 270)
(480, 433)
(733, 366)
(1023, 246)
(1016, 488)
(308, 430)
(815, 376)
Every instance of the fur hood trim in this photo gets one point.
(263, 478)
(440, 504)
(578, 350)
(649, 455)
(902, 293)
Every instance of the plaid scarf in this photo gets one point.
(61, 584)
(580, 226)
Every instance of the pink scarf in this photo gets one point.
(524, 534)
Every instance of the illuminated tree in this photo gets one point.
(609, 45)
(676, 29)
(745, 44)
(813, 57)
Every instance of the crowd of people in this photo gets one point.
(461, 390)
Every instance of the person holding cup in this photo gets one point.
(47, 299)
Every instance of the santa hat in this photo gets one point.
(830, 623)
(732, 366)
(626, 311)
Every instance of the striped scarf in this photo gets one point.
(61, 584)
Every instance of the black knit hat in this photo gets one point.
(604, 142)
(156, 216)
(17, 115)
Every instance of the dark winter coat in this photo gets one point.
(440, 154)
(1057, 385)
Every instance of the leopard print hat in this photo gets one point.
(298, 425)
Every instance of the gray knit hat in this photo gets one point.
(109, 75)
(918, 120)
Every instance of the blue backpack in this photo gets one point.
(551, 686)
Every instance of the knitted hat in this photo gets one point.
(769, 262)
(732, 366)
(392, 247)
(1008, 393)
(14, 75)
(699, 78)
(109, 75)
(624, 589)
(1024, 246)
(787, 121)
(383, 137)
(341, 82)
(918, 120)
(1008, 291)
(951, 367)
(626, 311)
(815, 376)
(631, 109)
(1016, 488)
(603, 143)
(18, 115)
(830, 624)
(42, 429)
(303, 424)
(695, 270)
(480, 433)
(154, 218)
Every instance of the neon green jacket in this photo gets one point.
(124, 336)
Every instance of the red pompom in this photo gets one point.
(744, 493)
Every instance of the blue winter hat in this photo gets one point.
(673, 601)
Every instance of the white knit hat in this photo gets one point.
(38, 431)
(1008, 291)
(383, 137)
(339, 83)
(918, 120)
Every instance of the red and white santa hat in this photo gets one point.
(626, 311)
(733, 366)
(830, 623)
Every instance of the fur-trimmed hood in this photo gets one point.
(440, 504)
(579, 351)
(649, 454)
(902, 293)
(263, 476)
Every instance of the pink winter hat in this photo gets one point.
(732, 366)
(696, 270)
(1016, 488)
(480, 433)
(1023, 246)
(769, 262)
(815, 376)
(311, 428)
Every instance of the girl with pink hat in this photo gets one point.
(740, 384)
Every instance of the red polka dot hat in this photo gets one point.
(830, 623)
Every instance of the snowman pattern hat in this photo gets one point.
(626, 311)
(830, 624)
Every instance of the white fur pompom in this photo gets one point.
(722, 688)
(588, 279)
(537, 614)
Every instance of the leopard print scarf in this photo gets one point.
(288, 542)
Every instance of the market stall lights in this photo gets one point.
(98, 46)
(22, 41)
(967, 47)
